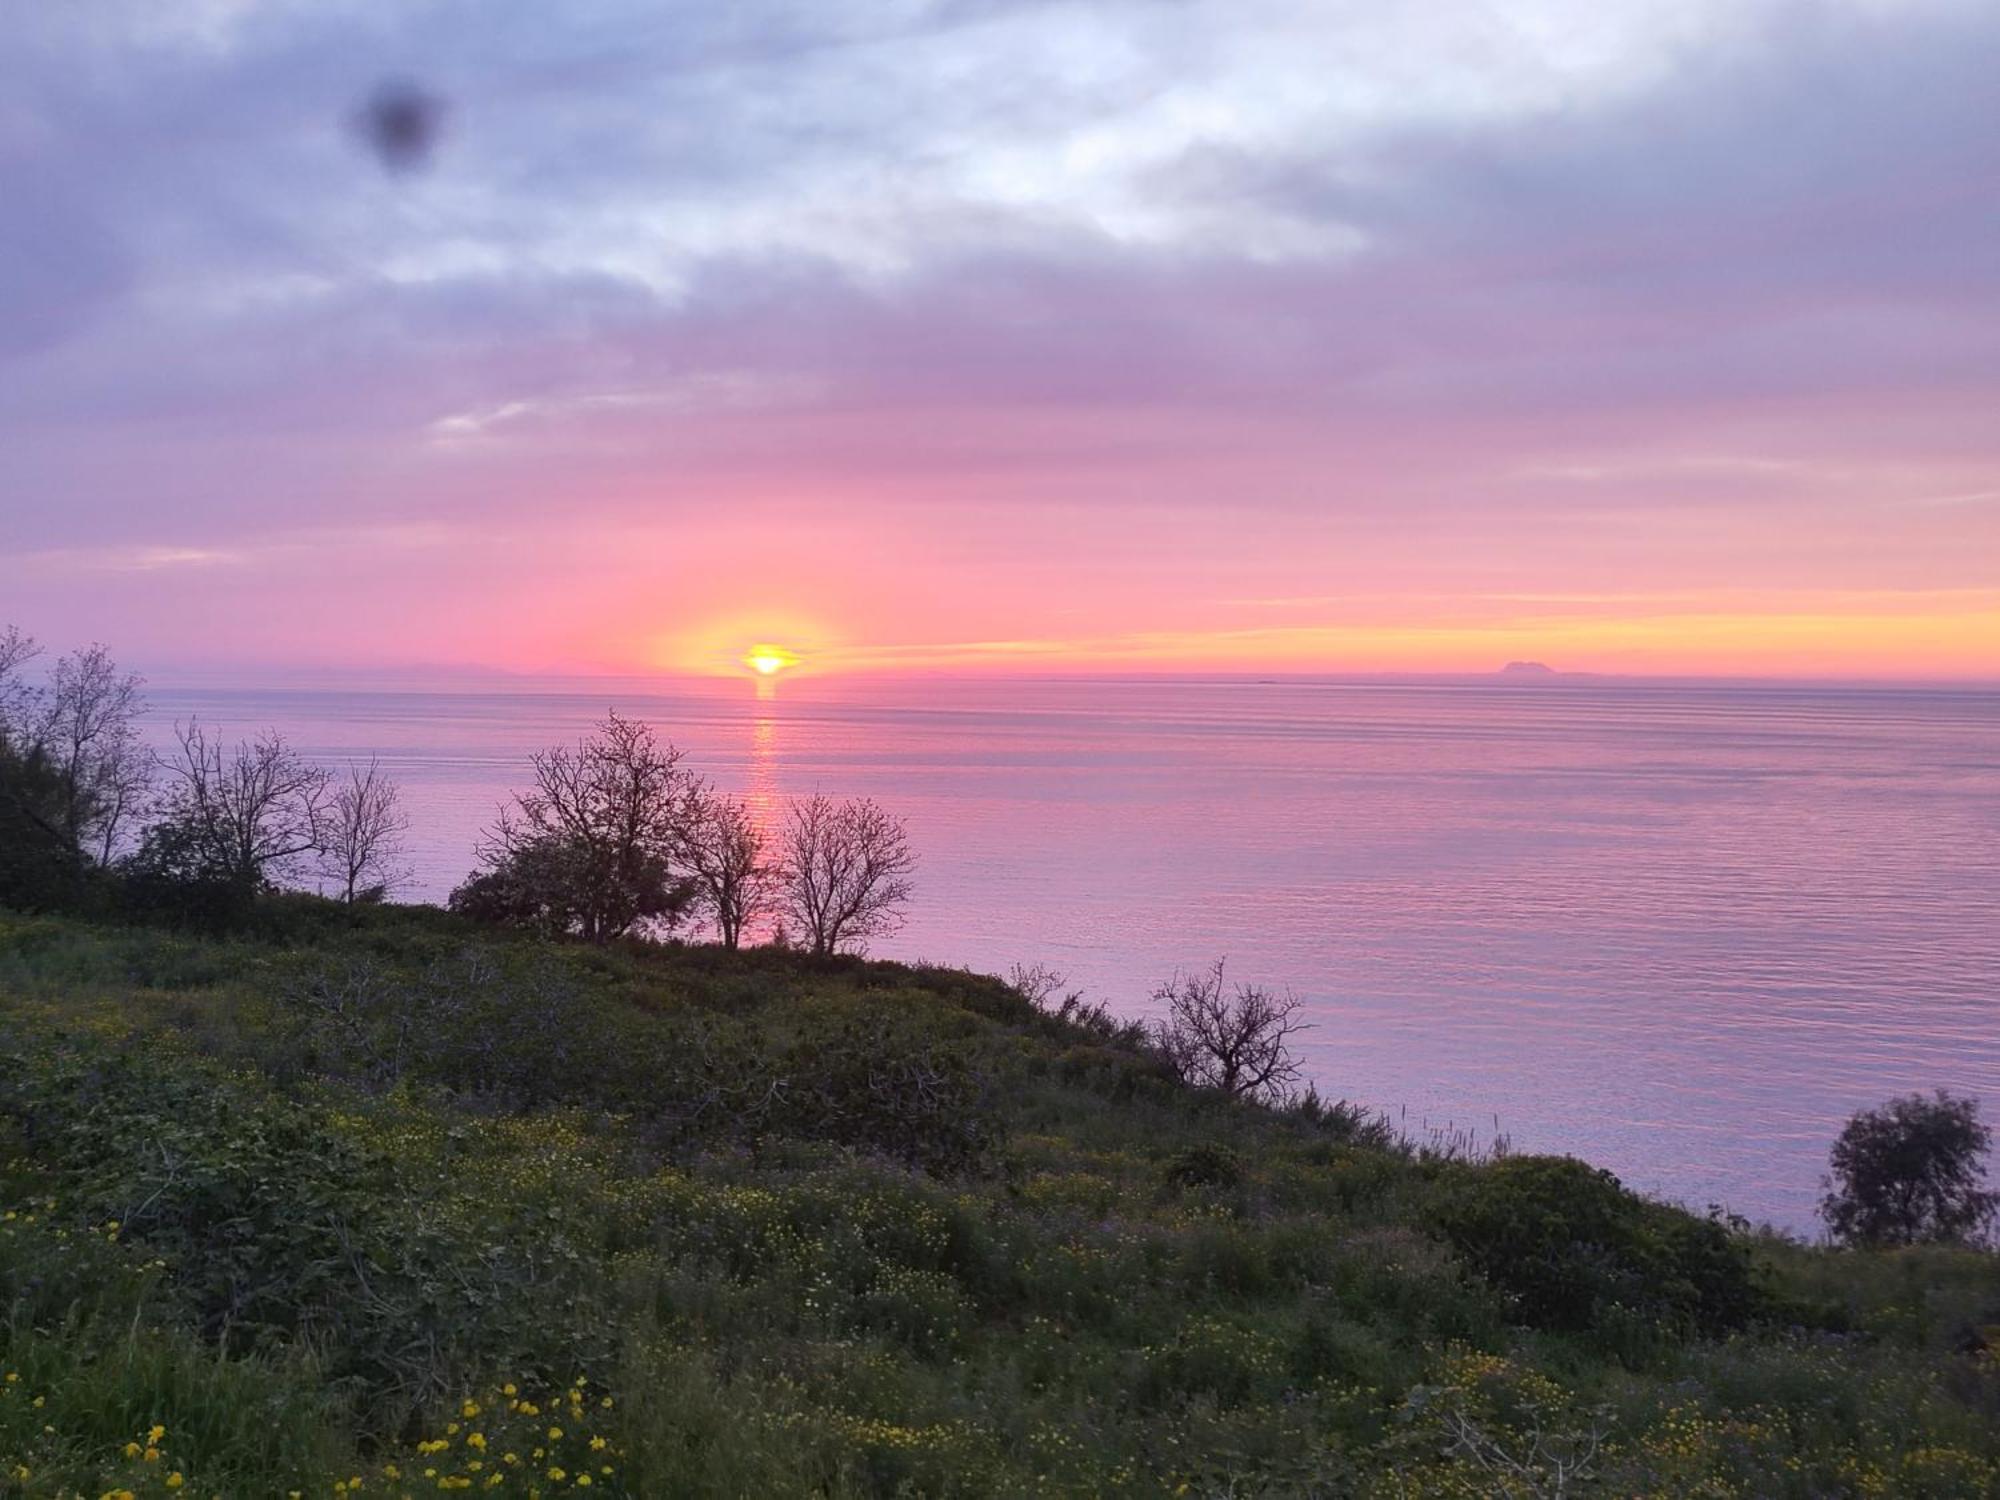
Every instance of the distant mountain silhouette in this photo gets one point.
(1527, 669)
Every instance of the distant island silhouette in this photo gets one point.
(1527, 669)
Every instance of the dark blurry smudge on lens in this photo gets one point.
(400, 123)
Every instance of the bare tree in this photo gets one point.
(254, 810)
(17, 697)
(846, 871)
(364, 841)
(1234, 1040)
(724, 853)
(88, 729)
(592, 847)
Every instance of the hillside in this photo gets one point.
(383, 1203)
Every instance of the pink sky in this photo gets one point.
(1270, 335)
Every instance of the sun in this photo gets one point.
(769, 661)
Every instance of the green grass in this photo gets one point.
(358, 1202)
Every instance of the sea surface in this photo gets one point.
(1680, 931)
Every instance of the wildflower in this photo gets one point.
(509, 1389)
(155, 1433)
(131, 1450)
(554, 1433)
(476, 1440)
(151, 1455)
(583, 1481)
(596, 1444)
(558, 1473)
(175, 1480)
(470, 1409)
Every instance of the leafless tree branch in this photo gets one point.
(846, 871)
(1235, 1039)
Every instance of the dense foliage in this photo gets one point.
(1910, 1173)
(370, 1200)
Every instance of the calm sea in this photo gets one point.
(1679, 931)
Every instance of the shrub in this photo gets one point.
(1571, 1248)
(887, 1083)
(178, 877)
(1204, 1165)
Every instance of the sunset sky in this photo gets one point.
(1286, 335)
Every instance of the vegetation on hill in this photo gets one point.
(374, 1200)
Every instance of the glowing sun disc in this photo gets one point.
(769, 661)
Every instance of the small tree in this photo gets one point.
(593, 845)
(39, 868)
(16, 696)
(39, 863)
(724, 853)
(364, 847)
(246, 815)
(1235, 1040)
(80, 735)
(846, 871)
(1910, 1173)
(88, 729)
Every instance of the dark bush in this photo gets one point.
(884, 1082)
(1571, 1248)
(177, 877)
(1204, 1165)
(40, 869)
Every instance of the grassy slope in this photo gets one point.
(842, 1229)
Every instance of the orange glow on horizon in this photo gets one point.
(769, 661)
(1915, 635)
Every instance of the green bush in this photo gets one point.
(1204, 1165)
(1571, 1248)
